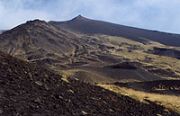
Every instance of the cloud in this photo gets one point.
(14, 12)
(150, 14)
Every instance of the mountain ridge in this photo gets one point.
(90, 26)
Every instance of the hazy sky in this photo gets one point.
(163, 15)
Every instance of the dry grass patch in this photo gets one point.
(169, 101)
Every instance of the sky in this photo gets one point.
(162, 15)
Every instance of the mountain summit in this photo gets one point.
(80, 17)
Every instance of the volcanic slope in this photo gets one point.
(55, 48)
(88, 26)
(28, 89)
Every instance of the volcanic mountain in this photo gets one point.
(55, 68)
(89, 57)
(88, 26)
(56, 48)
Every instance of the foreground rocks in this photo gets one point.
(29, 90)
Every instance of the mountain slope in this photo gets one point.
(27, 89)
(36, 35)
(88, 26)
(54, 48)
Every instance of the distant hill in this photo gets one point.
(88, 26)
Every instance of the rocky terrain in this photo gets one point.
(28, 89)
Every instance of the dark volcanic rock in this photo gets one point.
(124, 65)
(29, 90)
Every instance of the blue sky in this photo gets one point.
(163, 15)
